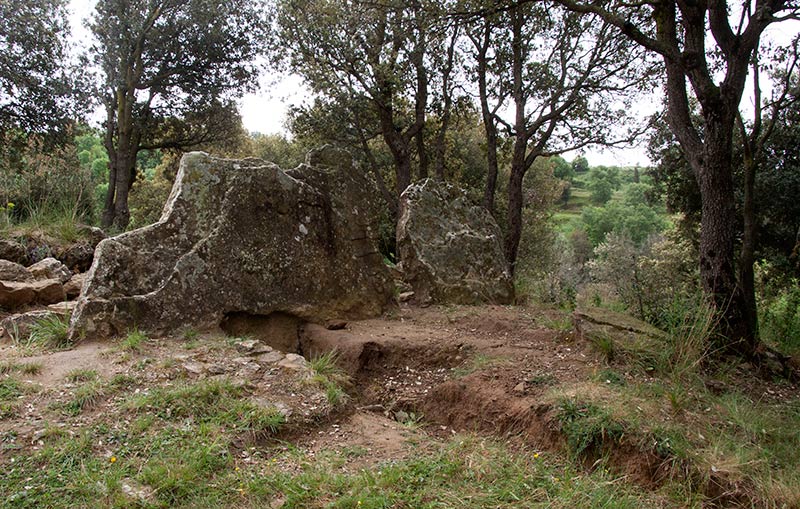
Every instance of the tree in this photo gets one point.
(602, 182)
(378, 52)
(580, 164)
(165, 60)
(565, 71)
(37, 85)
(699, 41)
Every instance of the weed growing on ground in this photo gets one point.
(586, 426)
(329, 376)
(216, 402)
(49, 333)
(132, 342)
(86, 396)
(81, 375)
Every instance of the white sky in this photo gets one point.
(265, 111)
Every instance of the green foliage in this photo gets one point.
(132, 342)
(654, 280)
(86, 396)
(39, 88)
(278, 149)
(330, 377)
(632, 217)
(779, 318)
(580, 165)
(587, 427)
(45, 182)
(217, 402)
(602, 182)
(50, 332)
(562, 169)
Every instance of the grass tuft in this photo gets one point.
(133, 341)
(330, 377)
(587, 427)
(50, 332)
(81, 375)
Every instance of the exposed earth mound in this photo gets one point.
(450, 248)
(242, 237)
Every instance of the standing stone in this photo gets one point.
(241, 237)
(450, 248)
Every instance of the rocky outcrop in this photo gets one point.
(242, 237)
(450, 249)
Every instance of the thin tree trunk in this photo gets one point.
(518, 159)
(489, 124)
(747, 252)
(447, 94)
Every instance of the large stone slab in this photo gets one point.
(241, 237)
(450, 248)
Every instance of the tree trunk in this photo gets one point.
(518, 160)
(747, 252)
(422, 154)
(514, 233)
(718, 231)
(489, 125)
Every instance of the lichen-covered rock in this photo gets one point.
(450, 248)
(10, 271)
(241, 237)
(50, 268)
(77, 257)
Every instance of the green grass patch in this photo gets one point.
(587, 427)
(86, 396)
(132, 342)
(50, 333)
(81, 375)
(217, 402)
(330, 377)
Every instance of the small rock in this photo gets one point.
(10, 271)
(49, 291)
(294, 362)
(252, 347)
(520, 388)
(62, 308)
(74, 286)
(405, 296)
(269, 357)
(216, 369)
(248, 370)
(50, 268)
(15, 295)
(133, 490)
(336, 325)
(196, 368)
(77, 257)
